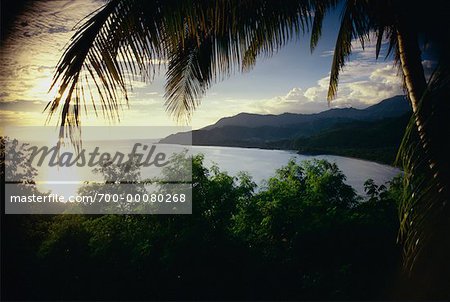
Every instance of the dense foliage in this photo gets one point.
(375, 141)
(371, 140)
(305, 234)
(206, 41)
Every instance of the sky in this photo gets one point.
(293, 80)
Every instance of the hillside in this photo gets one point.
(391, 107)
(375, 141)
(372, 133)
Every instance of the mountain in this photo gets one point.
(257, 130)
(375, 140)
(391, 107)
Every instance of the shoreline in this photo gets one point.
(299, 152)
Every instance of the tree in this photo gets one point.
(205, 41)
(18, 178)
(425, 212)
(119, 181)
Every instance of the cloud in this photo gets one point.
(19, 118)
(327, 53)
(28, 64)
(294, 94)
(22, 105)
(363, 81)
(375, 84)
(30, 55)
(58, 29)
(46, 18)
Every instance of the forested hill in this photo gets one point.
(376, 141)
(373, 133)
(392, 107)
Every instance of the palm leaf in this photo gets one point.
(188, 75)
(115, 43)
(355, 24)
(424, 211)
(274, 26)
(125, 37)
(321, 9)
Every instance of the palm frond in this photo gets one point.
(188, 76)
(273, 26)
(425, 210)
(125, 38)
(380, 34)
(354, 25)
(319, 14)
(110, 48)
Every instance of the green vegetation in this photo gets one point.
(373, 133)
(206, 41)
(375, 141)
(304, 235)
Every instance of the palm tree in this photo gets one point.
(205, 41)
(424, 213)
(202, 41)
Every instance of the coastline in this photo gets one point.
(342, 152)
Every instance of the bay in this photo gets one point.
(262, 164)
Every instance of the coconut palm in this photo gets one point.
(202, 41)
(205, 41)
(424, 213)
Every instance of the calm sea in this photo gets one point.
(259, 163)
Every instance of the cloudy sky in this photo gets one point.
(293, 80)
